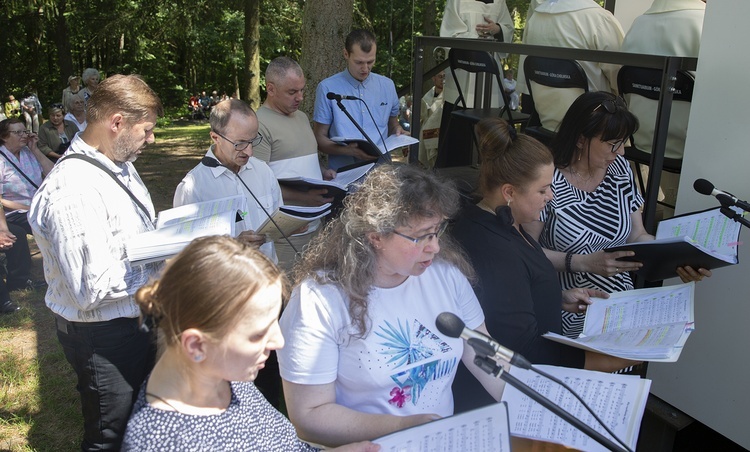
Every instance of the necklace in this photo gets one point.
(163, 400)
(579, 176)
(484, 206)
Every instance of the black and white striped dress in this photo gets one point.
(584, 223)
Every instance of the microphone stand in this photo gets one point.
(733, 215)
(487, 364)
(383, 158)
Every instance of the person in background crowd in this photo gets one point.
(364, 357)
(509, 85)
(72, 89)
(15, 245)
(32, 111)
(217, 306)
(430, 117)
(23, 166)
(12, 107)
(56, 134)
(82, 220)
(76, 109)
(90, 79)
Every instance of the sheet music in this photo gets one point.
(637, 309)
(347, 177)
(482, 430)
(711, 230)
(645, 324)
(619, 400)
(201, 209)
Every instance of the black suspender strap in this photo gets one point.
(101, 166)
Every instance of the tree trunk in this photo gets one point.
(325, 26)
(250, 45)
(62, 42)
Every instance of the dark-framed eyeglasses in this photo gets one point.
(57, 105)
(422, 240)
(616, 145)
(611, 105)
(242, 145)
(20, 133)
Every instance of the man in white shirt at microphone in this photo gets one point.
(228, 163)
(373, 90)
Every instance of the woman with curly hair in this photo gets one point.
(364, 357)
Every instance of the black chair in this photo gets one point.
(552, 73)
(645, 83)
(476, 62)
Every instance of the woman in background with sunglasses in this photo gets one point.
(56, 134)
(596, 204)
(364, 356)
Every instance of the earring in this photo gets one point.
(198, 358)
(509, 202)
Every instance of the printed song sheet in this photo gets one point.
(482, 430)
(619, 400)
(714, 232)
(645, 324)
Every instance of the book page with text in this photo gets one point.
(713, 231)
(619, 400)
(482, 430)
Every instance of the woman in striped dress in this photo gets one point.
(596, 204)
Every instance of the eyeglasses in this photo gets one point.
(242, 145)
(611, 105)
(424, 239)
(616, 145)
(20, 133)
(58, 105)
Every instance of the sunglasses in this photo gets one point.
(611, 105)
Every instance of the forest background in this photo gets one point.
(186, 46)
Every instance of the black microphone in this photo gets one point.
(452, 326)
(214, 163)
(726, 199)
(334, 96)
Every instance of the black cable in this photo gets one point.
(214, 163)
(387, 155)
(585, 405)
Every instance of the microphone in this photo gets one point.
(726, 199)
(334, 96)
(452, 326)
(213, 163)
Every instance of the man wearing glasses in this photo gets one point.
(234, 132)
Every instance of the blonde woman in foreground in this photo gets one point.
(217, 306)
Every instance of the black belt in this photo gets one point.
(66, 325)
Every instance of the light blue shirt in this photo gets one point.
(377, 92)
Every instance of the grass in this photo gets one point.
(39, 405)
